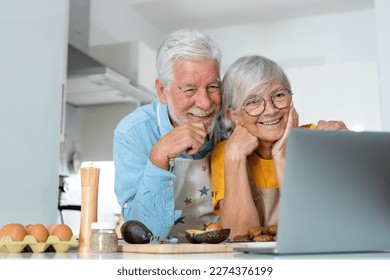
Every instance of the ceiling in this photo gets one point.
(168, 15)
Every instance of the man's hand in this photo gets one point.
(187, 137)
(331, 125)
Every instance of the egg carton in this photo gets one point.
(30, 244)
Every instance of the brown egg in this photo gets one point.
(27, 226)
(15, 230)
(63, 232)
(39, 231)
(50, 228)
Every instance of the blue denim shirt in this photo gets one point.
(144, 191)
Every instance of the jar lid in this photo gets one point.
(103, 225)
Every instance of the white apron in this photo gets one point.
(267, 204)
(193, 195)
(266, 201)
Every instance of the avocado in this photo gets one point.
(190, 235)
(135, 232)
(207, 236)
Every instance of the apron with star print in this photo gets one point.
(193, 195)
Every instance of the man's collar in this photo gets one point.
(165, 122)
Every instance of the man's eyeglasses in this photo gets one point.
(255, 105)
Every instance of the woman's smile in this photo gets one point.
(272, 122)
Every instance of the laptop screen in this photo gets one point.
(336, 193)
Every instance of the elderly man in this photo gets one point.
(162, 150)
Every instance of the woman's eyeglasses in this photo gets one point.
(280, 99)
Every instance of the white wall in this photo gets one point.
(32, 70)
(99, 124)
(90, 130)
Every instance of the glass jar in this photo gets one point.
(104, 238)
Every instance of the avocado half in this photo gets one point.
(207, 236)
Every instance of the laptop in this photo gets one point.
(336, 194)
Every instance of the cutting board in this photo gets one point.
(181, 248)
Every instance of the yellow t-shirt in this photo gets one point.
(262, 170)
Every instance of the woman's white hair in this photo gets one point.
(248, 75)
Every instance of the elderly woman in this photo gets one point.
(247, 169)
